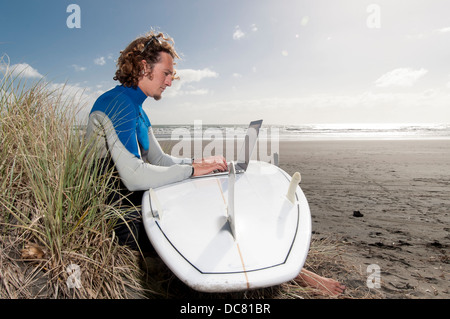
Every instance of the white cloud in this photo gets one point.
(187, 76)
(304, 21)
(417, 36)
(190, 75)
(78, 68)
(238, 34)
(284, 53)
(21, 69)
(237, 75)
(426, 35)
(402, 77)
(443, 30)
(198, 92)
(100, 61)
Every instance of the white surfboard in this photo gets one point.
(220, 236)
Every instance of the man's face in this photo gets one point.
(155, 83)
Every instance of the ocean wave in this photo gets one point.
(308, 131)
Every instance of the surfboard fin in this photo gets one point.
(275, 159)
(230, 208)
(295, 180)
(154, 204)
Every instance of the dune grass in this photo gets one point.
(56, 228)
(52, 204)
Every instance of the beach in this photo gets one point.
(384, 203)
(387, 202)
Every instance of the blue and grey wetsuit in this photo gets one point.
(121, 129)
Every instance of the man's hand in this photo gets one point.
(209, 164)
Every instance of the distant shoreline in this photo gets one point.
(315, 131)
(304, 132)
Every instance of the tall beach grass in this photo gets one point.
(56, 238)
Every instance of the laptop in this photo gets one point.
(245, 153)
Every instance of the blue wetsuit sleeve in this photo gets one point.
(123, 118)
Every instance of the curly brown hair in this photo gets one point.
(146, 48)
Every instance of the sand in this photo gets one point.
(402, 191)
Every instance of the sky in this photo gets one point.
(288, 62)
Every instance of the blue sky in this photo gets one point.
(288, 62)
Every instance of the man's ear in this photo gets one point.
(144, 66)
(146, 71)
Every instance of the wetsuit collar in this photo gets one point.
(135, 93)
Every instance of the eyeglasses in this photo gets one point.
(153, 38)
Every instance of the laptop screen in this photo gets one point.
(249, 143)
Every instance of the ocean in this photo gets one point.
(307, 132)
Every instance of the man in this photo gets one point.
(123, 137)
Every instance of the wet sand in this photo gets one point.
(402, 191)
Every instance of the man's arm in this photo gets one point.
(134, 172)
(157, 156)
